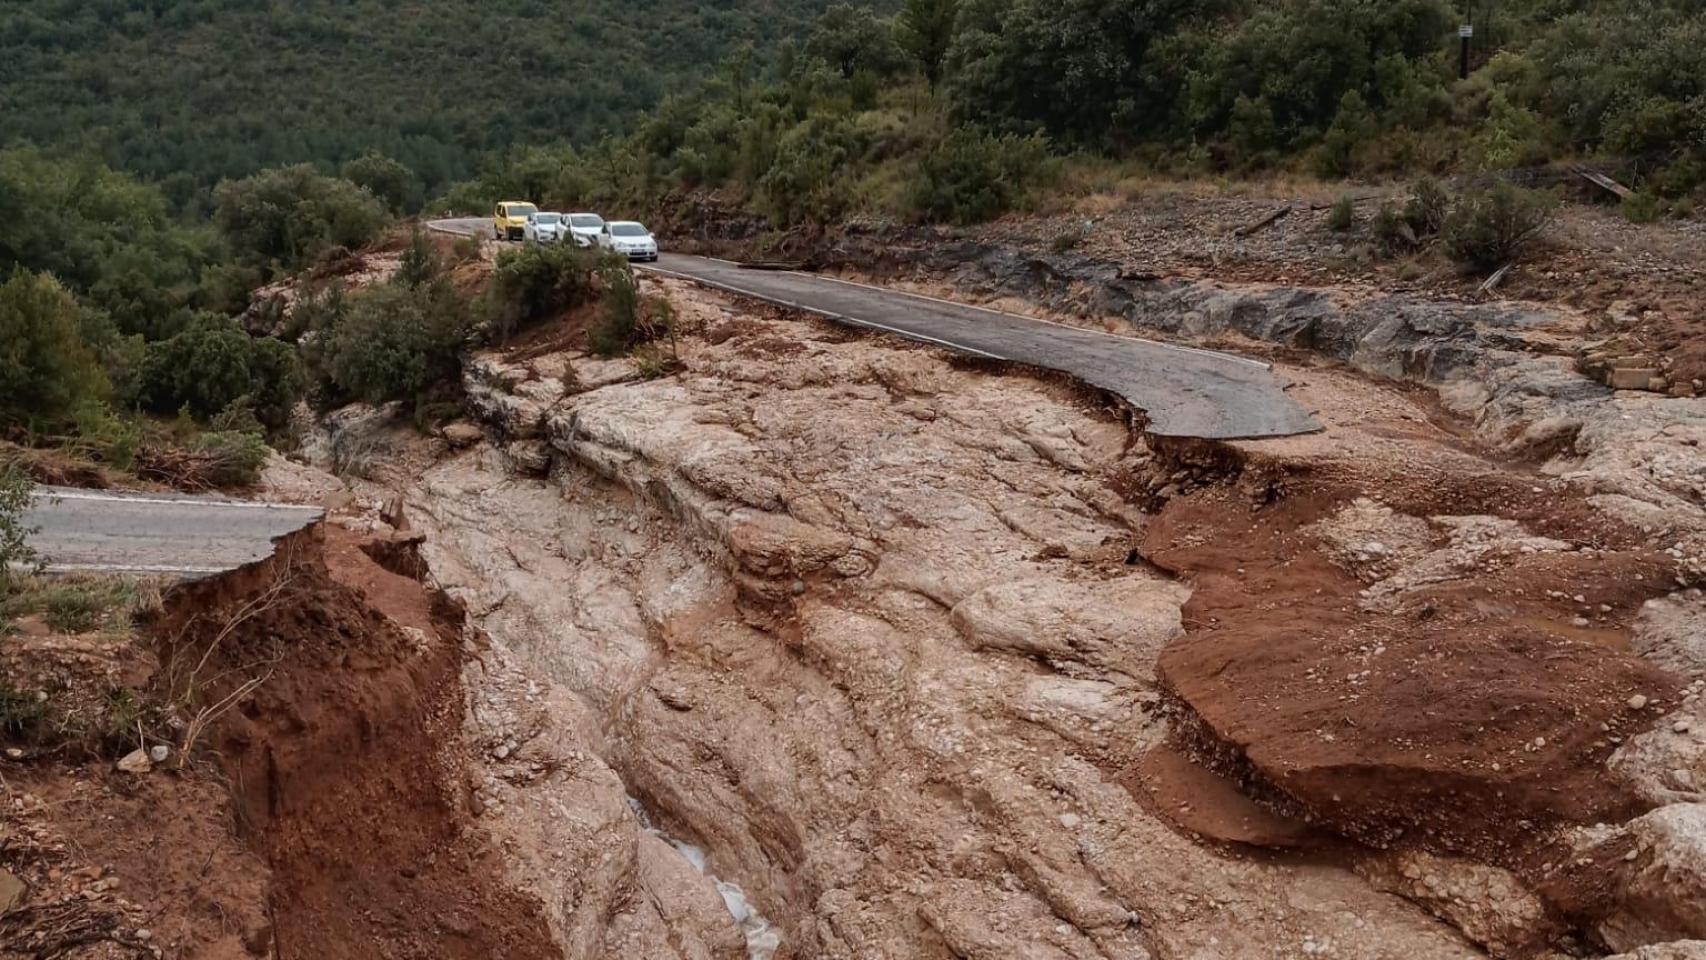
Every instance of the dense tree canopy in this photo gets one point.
(189, 92)
(953, 109)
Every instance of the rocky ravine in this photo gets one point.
(870, 627)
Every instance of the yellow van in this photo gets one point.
(510, 218)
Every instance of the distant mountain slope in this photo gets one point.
(188, 91)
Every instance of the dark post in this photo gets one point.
(1464, 33)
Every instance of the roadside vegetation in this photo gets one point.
(119, 346)
(959, 110)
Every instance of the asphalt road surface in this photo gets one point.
(99, 530)
(1185, 392)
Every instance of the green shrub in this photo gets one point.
(292, 215)
(46, 371)
(389, 342)
(386, 179)
(1343, 215)
(419, 263)
(15, 550)
(72, 610)
(540, 281)
(1392, 230)
(1407, 228)
(1643, 207)
(104, 436)
(972, 176)
(214, 364)
(237, 458)
(120, 355)
(318, 308)
(807, 174)
(467, 248)
(618, 324)
(1066, 241)
(628, 320)
(1486, 230)
(1428, 207)
(23, 716)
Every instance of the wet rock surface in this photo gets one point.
(879, 633)
(862, 627)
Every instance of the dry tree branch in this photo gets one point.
(207, 715)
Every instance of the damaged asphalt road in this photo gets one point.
(1183, 391)
(92, 530)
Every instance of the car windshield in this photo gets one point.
(522, 209)
(592, 220)
(627, 230)
(548, 219)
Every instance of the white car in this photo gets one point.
(544, 227)
(584, 228)
(629, 238)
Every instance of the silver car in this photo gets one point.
(584, 228)
(629, 238)
(544, 227)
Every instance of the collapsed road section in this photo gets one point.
(90, 531)
(1182, 391)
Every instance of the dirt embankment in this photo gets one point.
(321, 812)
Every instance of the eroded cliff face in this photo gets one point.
(828, 646)
(866, 627)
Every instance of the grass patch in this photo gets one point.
(23, 715)
(79, 604)
(68, 696)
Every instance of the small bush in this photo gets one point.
(1486, 230)
(1066, 241)
(236, 459)
(652, 361)
(390, 342)
(619, 318)
(386, 179)
(106, 437)
(46, 371)
(419, 263)
(467, 248)
(15, 550)
(540, 281)
(1428, 207)
(971, 176)
(23, 716)
(1343, 215)
(1643, 207)
(1405, 229)
(214, 364)
(291, 216)
(72, 610)
(1392, 230)
(627, 321)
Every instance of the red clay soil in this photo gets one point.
(1466, 724)
(342, 761)
(108, 854)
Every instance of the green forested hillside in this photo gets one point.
(961, 109)
(189, 91)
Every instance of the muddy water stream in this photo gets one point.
(763, 938)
